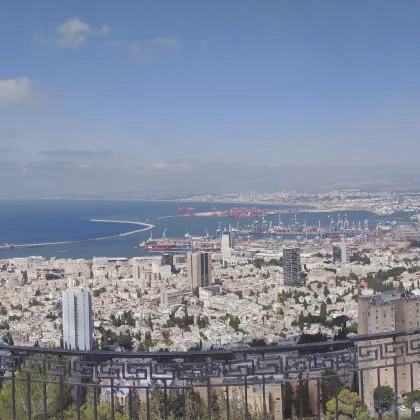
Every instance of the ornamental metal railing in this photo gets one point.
(373, 376)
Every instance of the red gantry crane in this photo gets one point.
(180, 211)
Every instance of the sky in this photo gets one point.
(207, 96)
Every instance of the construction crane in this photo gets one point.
(256, 226)
(366, 225)
(296, 225)
(213, 210)
(180, 210)
(264, 224)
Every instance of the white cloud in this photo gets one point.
(168, 42)
(14, 91)
(74, 33)
(171, 167)
(159, 166)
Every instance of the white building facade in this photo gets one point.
(228, 245)
(77, 319)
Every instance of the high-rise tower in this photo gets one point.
(77, 319)
(228, 245)
(292, 270)
(199, 269)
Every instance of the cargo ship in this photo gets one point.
(6, 247)
(163, 247)
(174, 249)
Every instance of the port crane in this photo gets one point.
(164, 233)
(213, 210)
(264, 224)
(180, 210)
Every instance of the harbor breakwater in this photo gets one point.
(145, 227)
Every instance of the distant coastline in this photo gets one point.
(303, 208)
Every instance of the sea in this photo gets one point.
(38, 221)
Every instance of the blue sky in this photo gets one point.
(159, 86)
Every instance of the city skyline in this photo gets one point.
(194, 96)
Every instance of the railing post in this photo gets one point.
(246, 396)
(208, 399)
(61, 398)
(264, 405)
(165, 400)
(413, 412)
(13, 396)
(78, 403)
(301, 397)
(112, 400)
(379, 394)
(396, 389)
(130, 402)
(95, 404)
(44, 393)
(318, 398)
(29, 401)
(227, 403)
(147, 403)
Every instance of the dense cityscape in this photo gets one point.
(222, 293)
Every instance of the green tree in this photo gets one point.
(387, 396)
(215, 405)
(330, 387)
(37, 397)
(355, 382)
(301, 321)
(104, 412)
(93, 393)
(258, 262)
(287, 400)
(302, 397)
(125, 341)
(349, 407)
(323, 312)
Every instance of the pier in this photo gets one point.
(147, 226)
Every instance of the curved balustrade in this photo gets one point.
(271, 382)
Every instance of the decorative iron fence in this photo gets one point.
(374, 376)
